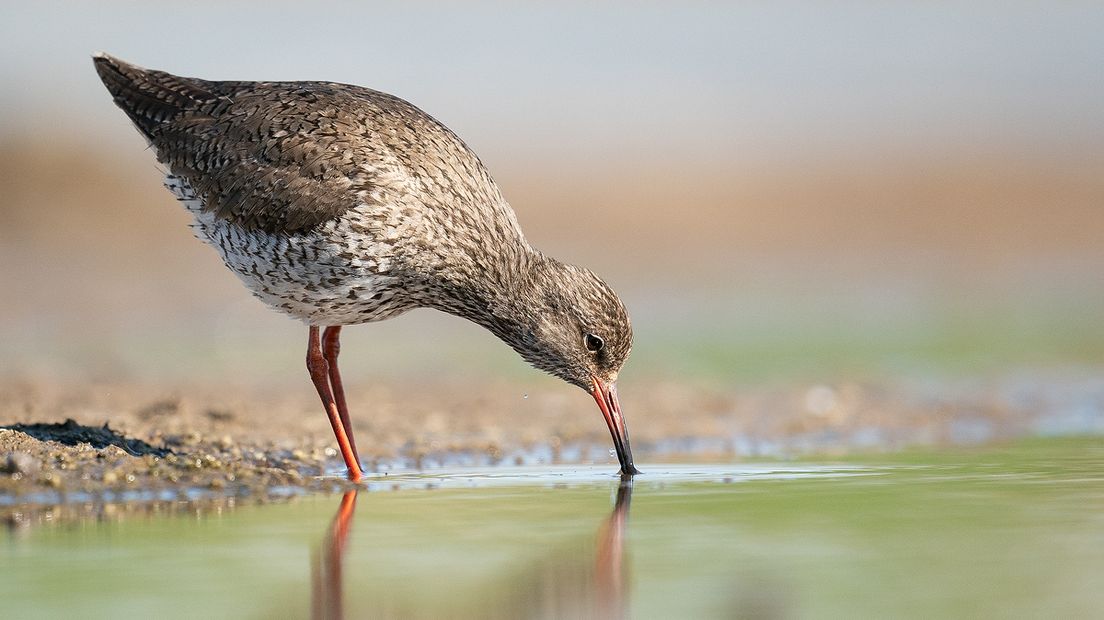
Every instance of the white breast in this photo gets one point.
(334, 275)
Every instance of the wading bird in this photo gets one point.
(338, 205)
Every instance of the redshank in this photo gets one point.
(338, 205)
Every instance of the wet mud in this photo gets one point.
(101, 443)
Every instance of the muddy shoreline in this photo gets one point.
(90, 444)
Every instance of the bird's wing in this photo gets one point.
(264, 155)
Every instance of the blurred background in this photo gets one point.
(839, 227)
(784, 193)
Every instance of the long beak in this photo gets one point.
(606, 397)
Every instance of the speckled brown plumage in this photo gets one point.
(338, 204)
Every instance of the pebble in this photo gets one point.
(19, 463)
(114, 451)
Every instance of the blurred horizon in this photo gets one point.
(776, 190)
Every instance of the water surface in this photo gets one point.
(1015, 531)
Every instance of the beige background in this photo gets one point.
(776, 191)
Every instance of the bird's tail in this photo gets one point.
(149, 97)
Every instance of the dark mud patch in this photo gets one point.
(70, 433)
(46, 464)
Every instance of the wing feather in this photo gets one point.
(289, 156)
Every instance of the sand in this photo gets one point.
(96, 442)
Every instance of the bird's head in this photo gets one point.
(571, 324)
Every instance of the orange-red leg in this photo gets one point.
(320, 375)
(331, 347)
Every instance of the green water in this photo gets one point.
(1015, 531)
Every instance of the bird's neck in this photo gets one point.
(503, 294)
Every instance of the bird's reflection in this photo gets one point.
(561, 585)
(327, 598)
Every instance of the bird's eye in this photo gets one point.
(594, 344)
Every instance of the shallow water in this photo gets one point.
(1011, 531)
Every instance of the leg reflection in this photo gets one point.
(326, 580)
